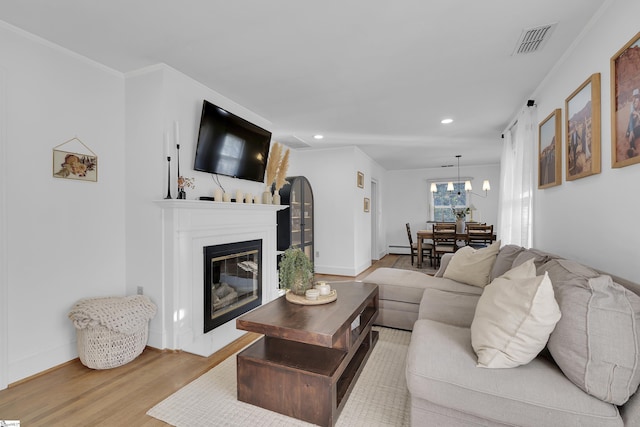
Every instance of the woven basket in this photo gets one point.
(102, 348)
(111, 331)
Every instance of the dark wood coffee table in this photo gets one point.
(308, 361)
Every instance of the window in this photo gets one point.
(443, 200)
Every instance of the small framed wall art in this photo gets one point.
(73, 164)
(360, 179)
(582, 113)
(367, 204)
(550, 150)
(625, 105)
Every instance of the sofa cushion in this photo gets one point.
(597, 341)
(396, 314)
(453, 305)
(539, 257)
(399, 285)
(504, 260)
(514, 318)
(444, 262)
(472, 266)
(441, 368)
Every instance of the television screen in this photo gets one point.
(229, 145)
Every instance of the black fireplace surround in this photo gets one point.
(232, 281)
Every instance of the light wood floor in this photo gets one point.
(74, 395)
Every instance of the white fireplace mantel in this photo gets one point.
(187, 227)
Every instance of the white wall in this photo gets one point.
(156, 98)
(342, 228)
(65, 238)
(406, 199)
(331, 175)
(4, 281)
(592, 219)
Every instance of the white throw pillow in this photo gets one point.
(472, 266)
(514, 317)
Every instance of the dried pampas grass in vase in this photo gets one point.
(281, 176)
(272, 170)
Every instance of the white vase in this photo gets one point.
(276, 198)
(460, 225)
(267, 199)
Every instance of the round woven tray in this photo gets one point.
(322, 299)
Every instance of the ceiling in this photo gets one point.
(377, 74)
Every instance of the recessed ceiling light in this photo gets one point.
(318, 136)
(446, 121)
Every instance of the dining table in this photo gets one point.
(428, 235)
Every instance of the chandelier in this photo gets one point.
(486, 186)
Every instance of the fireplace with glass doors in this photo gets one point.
(232, 281)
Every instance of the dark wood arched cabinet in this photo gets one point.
(295, 223)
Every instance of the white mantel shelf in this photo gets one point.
(187, 227)
(206, 204)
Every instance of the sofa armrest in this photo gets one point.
(444, 261)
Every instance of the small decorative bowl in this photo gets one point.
(312, 294)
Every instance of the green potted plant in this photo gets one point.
(296, 271)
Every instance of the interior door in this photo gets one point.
(375, 253)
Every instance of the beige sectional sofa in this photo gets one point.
(586, 374)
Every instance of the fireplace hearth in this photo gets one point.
(232, 281)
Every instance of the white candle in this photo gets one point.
(226, 197)
(217, 194)
(167, 145)
(324, 289)
(239, 196)
(256, 200)
(176, 130)
(248, 198)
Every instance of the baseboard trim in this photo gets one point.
(46, 371)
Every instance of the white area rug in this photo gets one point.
(379, 398)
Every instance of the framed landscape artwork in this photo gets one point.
(550, 150)
(625, 105)
(582, 112)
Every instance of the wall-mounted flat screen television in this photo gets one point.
(230, 145)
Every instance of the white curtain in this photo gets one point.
(516, 181)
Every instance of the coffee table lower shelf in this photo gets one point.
(300, 380)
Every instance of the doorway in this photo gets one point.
(375, 253)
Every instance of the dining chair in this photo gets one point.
(475, 226)
(446, 225)
(474, 223)
(427, 248)
(444, 240)
(479, 236)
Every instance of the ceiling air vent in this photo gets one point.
(291, 141)
(533, 39)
